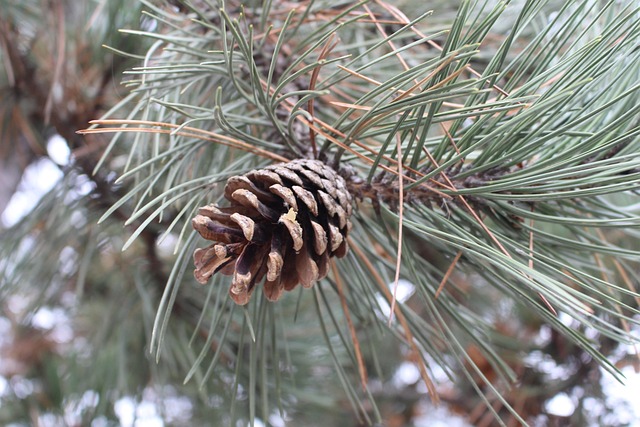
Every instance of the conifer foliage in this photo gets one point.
(455, 190)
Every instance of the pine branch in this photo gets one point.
(504, 158)
(518, 154)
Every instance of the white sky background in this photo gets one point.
(41, 177)
(38, 179)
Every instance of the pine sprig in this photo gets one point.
(516, 170)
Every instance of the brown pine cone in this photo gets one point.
(284, 222)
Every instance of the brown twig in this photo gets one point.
(415, 351)
(59, 58)
(328, 47)
(185, 131)
(403, 18)
(448, 273)
(354, 337)
(400, 221)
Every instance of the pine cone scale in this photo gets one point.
(264, 175)
(285, 194)
(243, 183)
(288, 174)
(307, 267)
(319, 238)
(294, 229)
(250, 200)
(273, 289)
(307, 198)
(246, 224)
(208, 263)
(275, 262)
(211, 230)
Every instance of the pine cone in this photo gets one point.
(285, 222)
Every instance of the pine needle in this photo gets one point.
(187, 131)
(400, 219)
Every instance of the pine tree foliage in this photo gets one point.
(492, 154)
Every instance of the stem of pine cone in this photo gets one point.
(389, 193)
